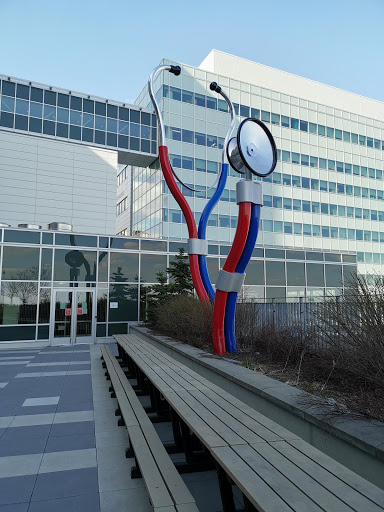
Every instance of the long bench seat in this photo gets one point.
(274, 468)
(166, 489)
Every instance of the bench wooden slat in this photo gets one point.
(280, 484)
(175, 484)
(259, 493)
(212, 391)
(203, 431)
(308, 485)
(317, 463)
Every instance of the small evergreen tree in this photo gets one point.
(159, 293)
(180, 274)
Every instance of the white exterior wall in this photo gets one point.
(264, 76)
(45, 180)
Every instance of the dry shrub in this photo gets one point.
(352, 328)
(183, 317)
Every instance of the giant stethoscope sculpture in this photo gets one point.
(253, 151)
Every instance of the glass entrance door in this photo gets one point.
(73, 317)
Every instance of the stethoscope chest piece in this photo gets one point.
(253, 149)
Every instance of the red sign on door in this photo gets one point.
(79, 311)
(68, 312)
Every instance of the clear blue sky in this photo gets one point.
(108, 48)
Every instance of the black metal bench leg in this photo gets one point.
(226, 491)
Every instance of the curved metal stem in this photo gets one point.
(231, 127)
(152, 77)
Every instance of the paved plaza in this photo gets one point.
(60, 446)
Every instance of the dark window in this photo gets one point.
(295, 274)
(63, 100)
(76, 103)
(275, 273)
(100, 108)
(49, 97)
(99, 137)
(255, 273)
(21, 122)
(8, 88)
(124, 114)
(20, 263)
(75, 132)
(126, 297)
(315, 271)
(135, 116)
(87, 135)
(244, 111)
(35, 125)
(62, 130)
(112, 111)
(135, 144)
(36, 94)
(333, 275)
(123, 141)
(146, 146)
(304, 126)
(88, 106)
(199, 99)
(294, 123)
(111, 139)
(151, 264)
(124, 267)
(74, 265)
(212, 103)
(49, 128)
(146, 119)
(255, 113)
(265, 116)
(188, 97)
(22, 92)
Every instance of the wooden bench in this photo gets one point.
(274, 469)
(166, 489)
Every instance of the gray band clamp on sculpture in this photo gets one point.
(197, 246)
(249, 192)
(229, 281)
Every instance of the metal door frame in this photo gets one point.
(72, 338)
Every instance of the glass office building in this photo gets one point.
(327, 192)
(92, 162)
(62, 288)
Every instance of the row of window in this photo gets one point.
(122, 176)
(44, 96)
(122, 206)
(288, 228)
(72, 132)
(75, 118)
(277, 178)
(202, 139)
(201, 100)
(299, 205)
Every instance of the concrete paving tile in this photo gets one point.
(28, 375)
(74, 406)
(15, 507)
(82, 503)
(68, 443)
(79, 372)
(127, 499)
(16, 489)
(8, 410)
(73, 428)
(20, 465)
(5, 421)
(205, 491)
(2, 430)
(32, 419)
(38, 409)
(15, 358)
(67, 417)
(65, 483)
(17, 433)
(28, 446)
(118, 476)
(68, 460)
(56, 363)
(119, 438)
(48, 400)
(66, 351)
(11, 363)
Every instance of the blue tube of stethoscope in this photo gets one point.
(202, 229)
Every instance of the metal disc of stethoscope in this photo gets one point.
(253, 149)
